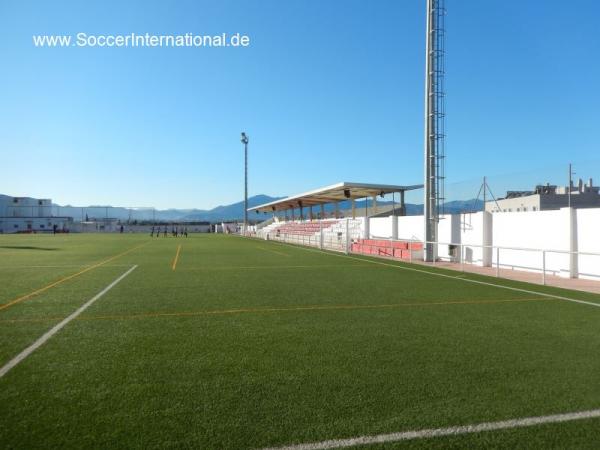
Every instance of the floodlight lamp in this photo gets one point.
(382, 194)
(244, 138)
(347, 193)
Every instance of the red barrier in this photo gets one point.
(395, 249)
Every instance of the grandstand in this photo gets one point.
(303, 229)
(334, 194)
(338, 233)
(513, 245)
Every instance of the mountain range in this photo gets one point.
(234, 211)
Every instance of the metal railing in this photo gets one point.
(569, 264)
(493, 259)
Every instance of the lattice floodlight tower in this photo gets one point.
(434, 123)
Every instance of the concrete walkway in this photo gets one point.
(576, 284)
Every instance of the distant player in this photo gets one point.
(152, 232)
(185, 231)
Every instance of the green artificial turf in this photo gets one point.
(248, 344)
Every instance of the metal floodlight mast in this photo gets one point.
(244, 140)
(434, 123)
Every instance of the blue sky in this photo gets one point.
(327, 91)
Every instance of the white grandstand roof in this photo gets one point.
(331, 194)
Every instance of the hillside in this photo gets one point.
(234, 211)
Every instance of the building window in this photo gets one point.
(42, 226)
(16, 226)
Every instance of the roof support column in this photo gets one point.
(374, 205)
(402, 205)
(337, 210)
(322, 211)
(573, 243)
(310, 213)
(487, 238)
(353, 209)
(367, 228)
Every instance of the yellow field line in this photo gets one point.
(174, 266)
(67, 278)
(279, 309)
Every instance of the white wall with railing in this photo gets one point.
(536, 230)
(563, 242)
(471, 234)
(588, 240)
(566, 242)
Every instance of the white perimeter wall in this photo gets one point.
(588, 238)
(514, 232)
(381, 227)
(533, 229)
(37, 224)
(411, 227)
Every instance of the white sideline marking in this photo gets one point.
(457, 277)
(436, 432)
(56, 328)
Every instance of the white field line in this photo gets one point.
(312, 266)
(436, 432)
(454, 277)
(56, 328)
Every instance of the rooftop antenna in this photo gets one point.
(435, 112)
(485, 188)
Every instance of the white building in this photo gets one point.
(29, 215)
(547, 197)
